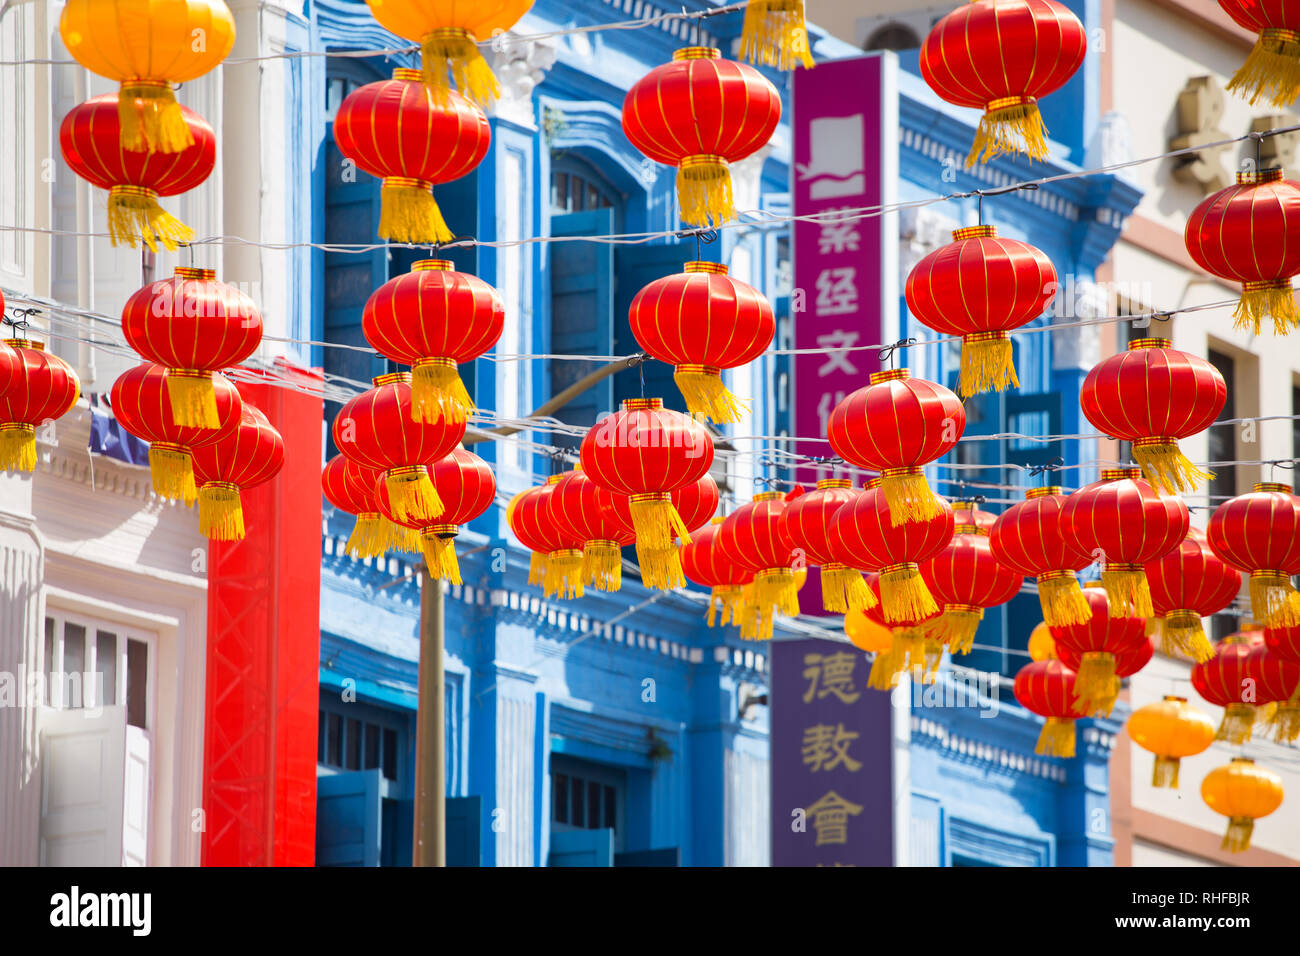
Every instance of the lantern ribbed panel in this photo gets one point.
(192, 321)
(1258, 530)
(1028, 538)
(805, 522)
(965, 572)
(465, 484)
(1124, 518)
(584, 511)
(1046, 688)
(413, 19)
(863, 529)
(90, 138)
(707, 563)
(250, 455)
(1101, 633)
(433, 311)
(140, 404)
(897, 422)
(1192, 577)
(1152, 390)
(644, 450)
(382, 433)
(41, 386)
(1283, 641)
(349, 486)
(148, 39)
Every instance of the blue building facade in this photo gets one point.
(619, 728)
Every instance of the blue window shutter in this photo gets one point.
(349, 818)
(582, 848)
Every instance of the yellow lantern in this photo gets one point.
(1042, 646)
(449, 32)
(147, 45)
(1171, 729)
(1243, 793)
(866, 634)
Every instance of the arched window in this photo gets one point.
(893, 36)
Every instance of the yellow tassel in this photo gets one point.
(412, 495)
(1092, 682)
(172, 472)
(402, 538)
(1286, 721)
(774, 592)
(409, 213)
(903, 594)
(956, 627)
(656, 522)
(908, 495)
(706, 396)
(1015, 128)
(886, 668)
(1263, 299)
(926, 660)
(1237, 837)
(661, 568)
(1165, 466)
(221, 515)
(193, 398)
(775, 34)
(18, 446)
(704, 191)
(843, 589)
(537, 568)
(730, 601)
(437, 392)
(151, 119)
(987, 364)
(1165, 773)
(1056, 738)
(1237, 724)
(370, 536)
(563, 575)
(1062, 599)
(1273, 599)
(1127, 591)
(450, 56)
(1180, 632)
(440, 557)
(602, 565)
(134, 213)
(1272, 70)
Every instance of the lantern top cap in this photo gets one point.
(390, 378)
(974, 232)
(554, 479)
(716, 268)
(26, 344)
(638, 404)
(193, 272)
(873, 483)
(1272, 486)
(717, 519)
(697, 53)
(1093, 584)
(1119, 474)
(767, 496)
(834, 483)
(1243, 759)
(1175, 699)
(1259, 177)
(432, 265)
(969, 529)
(1151, 342)
(1043, 492)
(408, 75)
(889, 375)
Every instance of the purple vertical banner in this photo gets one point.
(831, 758)
(845, 270)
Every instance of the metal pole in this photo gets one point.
(430, 841)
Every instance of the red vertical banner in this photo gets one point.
(263, 656)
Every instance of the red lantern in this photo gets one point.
(433, 319)
(141, 405)
(41, 387)
(378, 429)
(970, 512)
(90, 138)
(1046, 688)
(1226, 680)
(965, 578)
(647, 452)
(193, 326)
(1272, 70)
(1187, 584)
(805, 526)
(250, 455)
(701, 320)
(1090, 649)
(1241, 234)
(1279, 684)
(751, 536)
(351, 487)
(1128, 661)
(1027, 538)
(1002, 56)
(585, 512)
(894, 426)
(395, 130)
(912, 646)
(980, 287)
(557, 554)
(706, 564)
(1124, 520)
(465, 484)
(700, 113)
(1153, 395)
(696, 503)
(1259, 533)
(1284, 642)
(865, 529)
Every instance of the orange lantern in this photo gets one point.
(1171, 729)
(1042, 646)
(1243, 793)
(865, 634)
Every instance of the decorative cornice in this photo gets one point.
(926, 730)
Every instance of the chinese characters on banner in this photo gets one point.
(831, 758)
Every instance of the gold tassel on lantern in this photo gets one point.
(704, 191)
(1127, 591)
(843, 589)
(18, 447)
(438, 544)
(1056, 738)
(1165, 773)
(1165, 466)
(775, 33)
(563, 575)
(903, 594)
(193, 398)
(402, 538)
(412, 494)
(656, 522)
(537, 568)
(370, 535)
(1062, 599)
(1180, 632)
(409, 213)
(906, 648)
(1272, 297)
(1272, 70)
(438, 393)
(1273, 599)
(1286, 719)
(151, 119)
(706, 396)
(926, 660)
(602, 565)
(1009, 125)
(986, 363)
(134, 213)
(749, 616)
(450, 56)
(661, 568)
(221, 515)
(729, 599)
(1093, 681)
(172, 472)
(956, 627)
(1237, 724)
(774, 592)
(1237, 837)
(908, 495)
